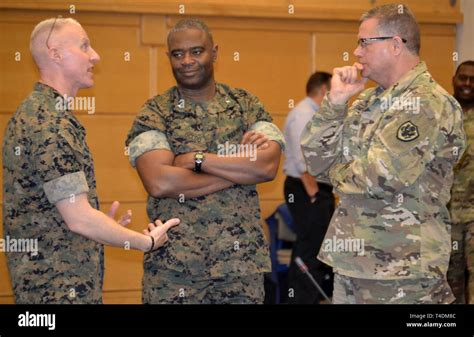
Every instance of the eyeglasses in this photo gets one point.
(365, 42)
(51, 31)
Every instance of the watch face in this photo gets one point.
(199, 156)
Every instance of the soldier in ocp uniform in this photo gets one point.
(199, 149)
(390, 158)
(49, 188)
(461, 264)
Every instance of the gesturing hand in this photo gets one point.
(158, 231)
(124, 219)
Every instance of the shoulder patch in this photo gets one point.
(407, 132)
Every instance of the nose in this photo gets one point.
(187, 59)
(94, 56)
(358, 51)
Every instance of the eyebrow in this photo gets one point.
(181, 49)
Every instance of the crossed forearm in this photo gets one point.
(241, 170)
(176, 182)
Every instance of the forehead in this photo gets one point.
(72, 31)
(368, 28)
(466, 70)
(188, 38)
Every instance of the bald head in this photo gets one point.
(50, 27)
(64, 55)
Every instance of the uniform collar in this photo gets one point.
(46, 90)
(222, 101)
(406, 80)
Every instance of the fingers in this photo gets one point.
(246, 137)
(158, 231)
(171, 223)
(151, 226)
(164, 227)
(347, 74)
(255, 138)
(126, 219)
(113, 209)
(350, 74)
(359, 66)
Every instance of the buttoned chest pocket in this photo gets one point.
(185, 133)
(230, 127)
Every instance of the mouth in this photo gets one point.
(90, 70)
(466, 91)
(189, 72)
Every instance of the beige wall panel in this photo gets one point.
(165, 79)
(436, 11)
(331, 48)
(116, 178)
(122, 297)
(273, 65)
(17, 77)
(120, 86)
(438, 51)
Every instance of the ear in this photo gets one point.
(54, 55)
(397, 45)
(214, 53)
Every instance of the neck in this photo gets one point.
(317, 98)
(59, 83)
(399, 70)
(203, 94)
(466, 106)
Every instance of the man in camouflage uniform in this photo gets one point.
(462, 198)
(49, 187)
(390, 158)
(218, 254)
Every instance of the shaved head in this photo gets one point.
(64, 55)
(40, 34)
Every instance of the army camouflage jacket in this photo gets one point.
(46, 159)
(220, 233)
(390, 157)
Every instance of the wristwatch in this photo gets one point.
(198, 159)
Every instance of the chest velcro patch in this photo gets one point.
(407, 132)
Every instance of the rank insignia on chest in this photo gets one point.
(407, 132)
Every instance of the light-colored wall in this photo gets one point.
(277, 53)
(465, 32)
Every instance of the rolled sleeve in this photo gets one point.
(66, 186)
(271, 131)
(147, 141)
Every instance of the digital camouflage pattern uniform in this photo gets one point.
(391, 166)
(462, 213)
(46, 159)
(220, 238)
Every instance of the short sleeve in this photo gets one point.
(148, 132)
(59, 162)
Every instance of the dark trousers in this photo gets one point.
(311, 222)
